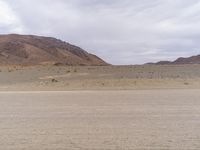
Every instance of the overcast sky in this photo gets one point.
(119, 31)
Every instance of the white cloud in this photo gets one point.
(120, 31)
(9, 22)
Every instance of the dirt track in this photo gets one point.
(122, 120)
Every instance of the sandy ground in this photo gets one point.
(105, 108)
(100, 120)
(99, 78)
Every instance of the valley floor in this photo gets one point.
(100, 108)
(100, 120)
(64, 78)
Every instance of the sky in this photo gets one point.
(119, 31)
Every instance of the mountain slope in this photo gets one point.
(189, 60)
(33, 50)
(181, 60)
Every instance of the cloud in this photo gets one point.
(120, 31)
(9, 22)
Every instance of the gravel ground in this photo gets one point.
(100, 120)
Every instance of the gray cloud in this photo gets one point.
(120, 31)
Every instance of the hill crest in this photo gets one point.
(33, 50)
(181, 60)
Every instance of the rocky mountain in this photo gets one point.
(33, 50)
(181, 60)
(189, 60)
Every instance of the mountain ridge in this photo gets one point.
(34, 50)
(180, 60)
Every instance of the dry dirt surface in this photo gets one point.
(99, 77)
(103, 120)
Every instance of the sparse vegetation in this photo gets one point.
(54, 80)
(109, 76)
(75, 70)
(186, 83)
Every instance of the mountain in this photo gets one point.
(181, 60)
(189, 60)
(33, 50)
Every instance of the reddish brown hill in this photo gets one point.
(33, 50)
(189, 60)
(181, 60)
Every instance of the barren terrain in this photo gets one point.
(18, 49)
(100, 120)
(147, 107)
(99, 77)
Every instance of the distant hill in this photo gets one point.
(181, 60)
(32, 50)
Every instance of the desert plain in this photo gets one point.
(144, 107)
(61, 78)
